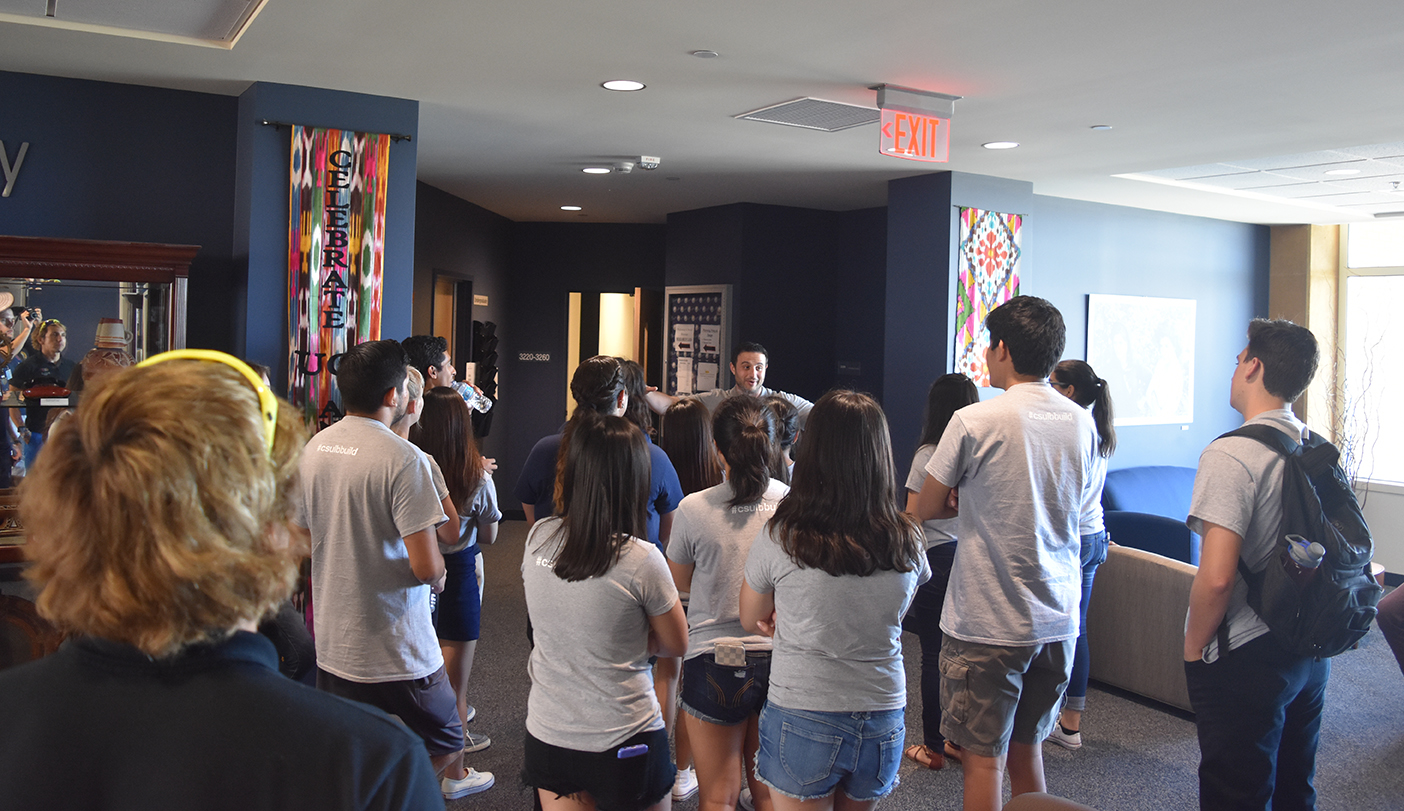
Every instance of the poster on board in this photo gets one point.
(699, 325)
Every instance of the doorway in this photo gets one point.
(625, 325)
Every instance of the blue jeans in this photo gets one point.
(1094, 554)
(722, 695)
(924, 620)
(806, 755)
(1258, 715)
(31, 450)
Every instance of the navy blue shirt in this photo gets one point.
(536, 486)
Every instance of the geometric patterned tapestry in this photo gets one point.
(336, 259)
(987, 276)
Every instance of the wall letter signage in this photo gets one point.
(11, 169)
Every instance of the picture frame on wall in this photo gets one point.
(1144, 348)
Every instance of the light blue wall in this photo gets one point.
(1087, 248)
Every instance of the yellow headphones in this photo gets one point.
(267, 402)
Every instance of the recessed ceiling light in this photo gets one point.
(622, 84)
(1342, 171)
(705, 54)
(1101, 127)
(597, 170)
(1000, 145)
(570, 208)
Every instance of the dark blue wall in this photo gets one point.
(128, 163)
(548, 262)
(261, 205)
(1070, 249)
(455, 236)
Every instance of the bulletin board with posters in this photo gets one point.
(697, 338)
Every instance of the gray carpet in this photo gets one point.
(1135, 754)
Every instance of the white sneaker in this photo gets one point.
(1063, 739)
(685, 785)
(744, 802)
(472, 783)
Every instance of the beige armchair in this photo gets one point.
(1136, 624)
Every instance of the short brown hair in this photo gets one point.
(155, 515)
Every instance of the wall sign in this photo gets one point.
(915, 137)
(11, 168)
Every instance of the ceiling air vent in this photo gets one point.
(815, 114)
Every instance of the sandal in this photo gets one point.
(953, 752)
(926, 756)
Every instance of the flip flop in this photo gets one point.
(925, 756)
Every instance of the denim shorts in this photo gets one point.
(722, 695)
(806, 755)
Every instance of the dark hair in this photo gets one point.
(596, 384)
(745, 432)
(786, 419)
(445, 432)
(604, 489)
(1090, 390)
(748, 346)
(787, 431)
(947, 395)
(1032, 329)
(687, 439)
(637, 410)
(841, 514)
(366, 371)
(1288, 352)
(425, 352)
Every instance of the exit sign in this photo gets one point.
(915, 137)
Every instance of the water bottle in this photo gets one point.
(475, 401)
(1303, 558)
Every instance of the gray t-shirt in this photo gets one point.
(1239, 487)
(1023, 463)
(715, 539)
(937, 530)
(363, 490)
(481, 507)
(838, 645)
(714, 398)
(591, 686)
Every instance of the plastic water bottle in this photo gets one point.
(1303, 558)
(475, 401)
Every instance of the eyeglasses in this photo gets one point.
(267, 402)
(9, 322)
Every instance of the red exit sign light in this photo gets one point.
(915, 137)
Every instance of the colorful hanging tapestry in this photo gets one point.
(336, 259)
(988, 276)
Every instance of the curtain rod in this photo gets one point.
(267, 123)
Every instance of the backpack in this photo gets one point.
(1333, 610)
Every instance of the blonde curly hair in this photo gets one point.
(155, 514)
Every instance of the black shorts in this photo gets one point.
(427, 706)
(616, 784)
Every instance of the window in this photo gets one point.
(1373, 343)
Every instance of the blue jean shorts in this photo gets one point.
(723, 695)
(806, 755)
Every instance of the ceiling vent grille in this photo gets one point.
(815, 114)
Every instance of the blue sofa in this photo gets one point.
(1145, 508)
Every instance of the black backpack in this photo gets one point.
(1333, 611)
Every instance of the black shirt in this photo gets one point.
(101, 725)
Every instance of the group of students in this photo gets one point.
(798, 583)
(193, 482)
